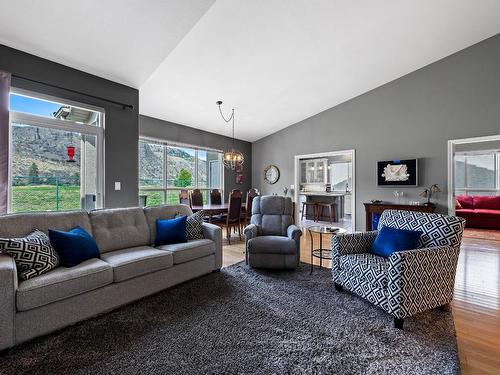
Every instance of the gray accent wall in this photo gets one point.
(411, 117)
(169, 131)
(121, 125)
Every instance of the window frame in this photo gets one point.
(165, 190)
(466, 189)
(61, 125)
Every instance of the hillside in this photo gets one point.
(47, 149)
(151, 163)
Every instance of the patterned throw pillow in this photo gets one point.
(33, 254)
(194, 226)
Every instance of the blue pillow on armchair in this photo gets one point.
(390, 240)
(73, 247)
(171, 231)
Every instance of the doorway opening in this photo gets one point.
(324, 189)
(474, 184)
(474, 194)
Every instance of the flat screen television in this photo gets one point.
(397, 172)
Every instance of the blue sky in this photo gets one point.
(35, 106)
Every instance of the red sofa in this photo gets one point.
(479, 211)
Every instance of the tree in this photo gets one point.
(183, 179)
(33, 174)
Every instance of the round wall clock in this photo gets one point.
(271, 174)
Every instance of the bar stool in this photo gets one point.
(331, 207)
(304, 209)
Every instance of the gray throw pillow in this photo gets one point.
(194, 226)
(33, 254)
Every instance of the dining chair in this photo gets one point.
(196, 198)
(184, 197)
(233, 218)
(215, 197)
(251, 194)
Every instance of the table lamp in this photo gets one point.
(427, 193)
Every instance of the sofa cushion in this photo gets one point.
(120, 228)
(136, 261)
(272, 245)
(171, 231)
(19, 225)
(481, 218)
(164, 212)
(62, 283)
(366, 267)
(465, 201)
(438, 230)
(194, 249)
(73, 247)
(194, 226)
(33, 254)
(487, 202)
(272, 215)
(485, 212)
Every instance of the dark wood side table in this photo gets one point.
(378, 208)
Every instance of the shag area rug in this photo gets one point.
(243, 321)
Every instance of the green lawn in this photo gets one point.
(45, 198)
(67, 197)
(156, 198)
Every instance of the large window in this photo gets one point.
(477, 173)
(56, 155)
(165, 169)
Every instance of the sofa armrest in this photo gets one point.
(214, 233)
(8, 287)
(353, 243)
(294, 232)
(349, 243)
(421, 279)
(250, 231)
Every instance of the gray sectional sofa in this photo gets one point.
(130, 268)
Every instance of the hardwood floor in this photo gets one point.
(476, 306)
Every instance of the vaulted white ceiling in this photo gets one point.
(275, 61)
(121, 40)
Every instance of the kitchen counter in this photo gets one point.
(324, 193)
(336, 197)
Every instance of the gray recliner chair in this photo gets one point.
(272, 241)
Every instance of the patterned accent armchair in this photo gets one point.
(410, 281)
(272, 241)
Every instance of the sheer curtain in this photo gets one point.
(4, 140)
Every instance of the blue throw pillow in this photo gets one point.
(73, 247)
(171, 231)
(375, 220)
(390, 240)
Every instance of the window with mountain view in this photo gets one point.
(477, 173)
(56, 156)
(165, 169)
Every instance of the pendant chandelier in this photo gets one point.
(232, 158)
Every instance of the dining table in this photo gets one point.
(214, 209)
